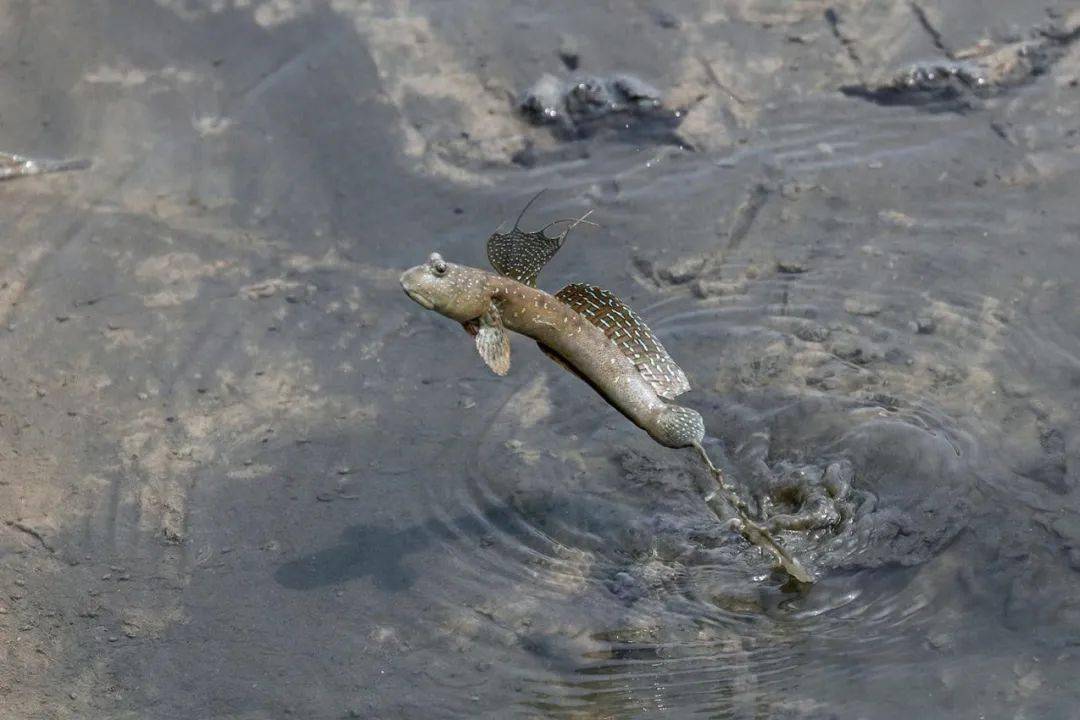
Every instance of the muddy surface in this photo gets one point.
(243, 476)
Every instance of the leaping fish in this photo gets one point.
(584, 328)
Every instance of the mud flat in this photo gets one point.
(242, 476)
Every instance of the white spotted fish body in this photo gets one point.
(633, 387)
(580, 343)
(584, 328)
(588, 331)
(623, 327)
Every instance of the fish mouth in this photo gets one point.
(419, 299)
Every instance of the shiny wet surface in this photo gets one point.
(244, 476)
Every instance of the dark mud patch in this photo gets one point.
(964, 79)
(621, 106)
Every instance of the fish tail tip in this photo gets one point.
(682, 427)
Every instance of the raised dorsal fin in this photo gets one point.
(521, 255)
(632, 336)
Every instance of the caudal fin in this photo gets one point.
(681, 427)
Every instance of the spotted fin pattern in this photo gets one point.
(624, 328)
(521, 255)
(681, 426)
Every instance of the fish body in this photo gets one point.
(489, 304)
(587, 330)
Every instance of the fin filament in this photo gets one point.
(755, 533)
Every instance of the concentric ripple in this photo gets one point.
(850, 378)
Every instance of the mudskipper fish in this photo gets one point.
(588, 331)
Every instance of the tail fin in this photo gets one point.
(681, 427)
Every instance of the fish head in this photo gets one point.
(457, 291)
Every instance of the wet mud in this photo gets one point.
(964, 77)
(16, 166)
(582, 107)
(243, 476)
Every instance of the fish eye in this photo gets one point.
(437, 264)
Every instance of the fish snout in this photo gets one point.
(411, 280)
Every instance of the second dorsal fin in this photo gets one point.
(630, 334)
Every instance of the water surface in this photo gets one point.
(243, 476)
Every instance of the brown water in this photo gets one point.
(243, 476)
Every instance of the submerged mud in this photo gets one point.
(242, 476)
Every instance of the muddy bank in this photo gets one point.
(242, 476)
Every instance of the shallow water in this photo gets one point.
(245, 477)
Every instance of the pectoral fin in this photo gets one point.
(493, 342)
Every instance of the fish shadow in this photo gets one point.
(378, 552)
